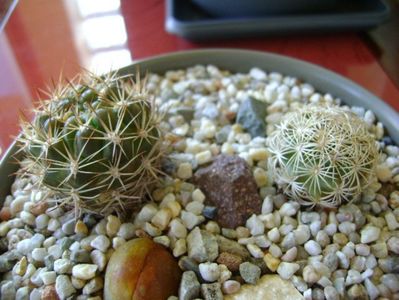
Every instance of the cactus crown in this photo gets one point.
(322, 155)
(96, 142)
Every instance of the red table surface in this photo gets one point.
(37, 45)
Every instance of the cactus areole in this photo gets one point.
(96, 143)
(323, 155)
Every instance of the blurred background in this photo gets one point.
(41, 39)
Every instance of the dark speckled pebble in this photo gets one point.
(210, 212)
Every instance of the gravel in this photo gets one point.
(351, 251)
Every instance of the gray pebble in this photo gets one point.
(64, 287)
(69, 227)
(212, 291)
(317, 294)
(65, 243)
(22, 293)
(222, 134)
(331, 261)
(80, 256)
(8, 291)
(251, 115)
(188, 264)
(62, 266)
(391, 281)
(5, 264)
(49, 262)
(202, 245)
(357, 291)
(389, 264)
(309, 217)
(250, 272)
(189, 286)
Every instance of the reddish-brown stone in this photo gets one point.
(49, 293)
(231, 261)
(229, 185)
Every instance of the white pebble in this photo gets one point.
(35, 294)
(290, 255)
(126, 231)
(27, 218)
(257, 74)
(307, 295)
(255, 225)
(180, 248)
(255, 251)
(42, 221)
(369, 234)
(331, 293)
(301, 234)
(53, 224)
(198, 195)
(101, 243)
(113, 225)
(274, 235)
(84, 271)
(177, 229)
(347, 227)
(372, 290)
(195, 207)
(286, 270)
(55, 251)
(275, 250)
(48, 277)
(231, 287)
(185, 170)
(99, 259)
(39, 254)
(63, 266)
(289, 209)
(312, 247)
(267, 205)
(203, 157)
(162, 218)
(391, 221)
(209, 271)
(393, 244)
(190, 220)
(331, 229)
(383, 172)
(353, 277)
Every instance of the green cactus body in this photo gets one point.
(96, 143)
(322, 155)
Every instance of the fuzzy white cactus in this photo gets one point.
(322, 155)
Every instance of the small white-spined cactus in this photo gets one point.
(322, 155)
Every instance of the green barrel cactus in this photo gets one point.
(322, 155)
(96, 143)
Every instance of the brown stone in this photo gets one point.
(231, 261)
(229, 185)
(5, 214)
(39, 208)
(49, 293)
(386, 189)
